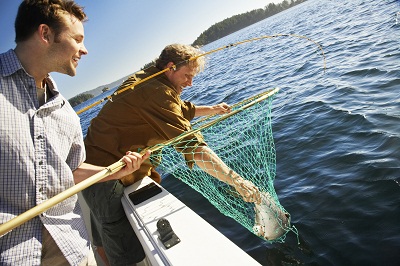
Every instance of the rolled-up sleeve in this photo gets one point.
(189, 110)
(170, 117)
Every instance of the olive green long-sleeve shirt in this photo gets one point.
(148, 114)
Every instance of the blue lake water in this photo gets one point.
(337, 132)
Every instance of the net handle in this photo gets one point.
(234, 106)
(263, 96)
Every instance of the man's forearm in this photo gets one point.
(209, 162)
(132, 161)
(204, 110)
(86, 170)
(221, 108)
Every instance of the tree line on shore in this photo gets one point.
(238, 22)
(83, 97)
(80, 98)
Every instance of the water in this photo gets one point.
(337, 132)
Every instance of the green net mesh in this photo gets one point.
(243, 140)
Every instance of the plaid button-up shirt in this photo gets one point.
(40, 146)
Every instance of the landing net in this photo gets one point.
(244, 141)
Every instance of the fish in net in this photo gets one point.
(243, 140)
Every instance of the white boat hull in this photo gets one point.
(200, 243)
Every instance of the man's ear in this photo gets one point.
(44, 32)
(171, 65)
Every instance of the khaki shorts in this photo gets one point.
(52, 255)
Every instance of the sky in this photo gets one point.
(122, 36)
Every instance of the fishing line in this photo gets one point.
(132, 85)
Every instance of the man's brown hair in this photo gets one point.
(32, 13)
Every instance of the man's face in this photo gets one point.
(182, 77)
(67, 48)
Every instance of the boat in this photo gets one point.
(194, 240)
(173, 234)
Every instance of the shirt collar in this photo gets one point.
(163, 78)
(9, 63)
